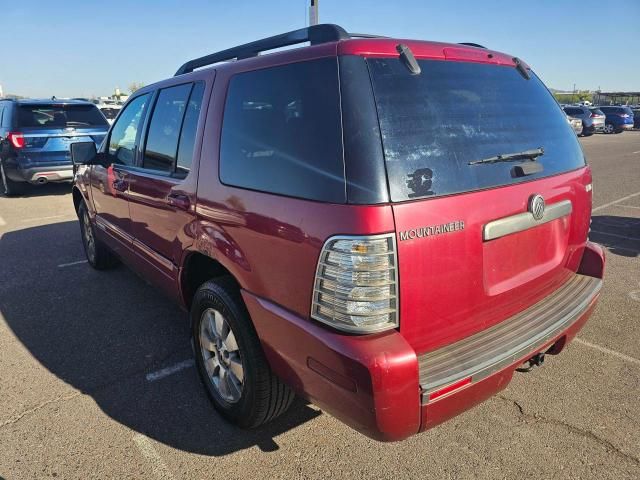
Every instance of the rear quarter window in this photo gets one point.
(281, 131)
(435, 123)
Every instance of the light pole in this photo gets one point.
(313, 13)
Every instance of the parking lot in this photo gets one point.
(96, 377)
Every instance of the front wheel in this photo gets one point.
(98, 255)
(230, 359)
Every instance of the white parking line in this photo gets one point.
(2, 222)
(608, 351)
(165, 372)
(615, 201)
(158, 466)
(62, 265)
(626, 237)
(622, 205)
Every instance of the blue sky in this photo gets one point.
(84, 48)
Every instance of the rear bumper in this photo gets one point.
(53, 173)
(373, 383)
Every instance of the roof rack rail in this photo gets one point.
(365, 35)
(471, 44)
(314, 34)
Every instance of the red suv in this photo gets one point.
(388, 228)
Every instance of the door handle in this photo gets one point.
(179, 200)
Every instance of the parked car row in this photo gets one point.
(606, 119)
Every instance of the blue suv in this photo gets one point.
(618, 118)
(35, 138)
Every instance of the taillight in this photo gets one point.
(16, 139)
(356, 287)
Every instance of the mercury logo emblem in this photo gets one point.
(536, 206)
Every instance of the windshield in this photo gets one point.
(453, 113)
(60, 116)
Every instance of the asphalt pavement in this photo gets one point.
(97, 381)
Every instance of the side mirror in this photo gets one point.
(83, 153)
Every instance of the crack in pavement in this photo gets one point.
(610, 447)
(19, 416)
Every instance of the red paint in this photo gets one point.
(452, 285)
(493, 280)
(450, 388)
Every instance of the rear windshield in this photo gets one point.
(597, 111)
(60, 116)
(435, 123)
(573, 111)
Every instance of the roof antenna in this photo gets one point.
(406, 55)
(521, 68)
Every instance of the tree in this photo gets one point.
(135, 86)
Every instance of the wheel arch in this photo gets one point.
(77, 198)
(197, 269)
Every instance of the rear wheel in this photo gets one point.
(230, 359)
(608, 128)
(8, 186)
(98, 255)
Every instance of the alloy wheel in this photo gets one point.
(221, 356)
(87, 233)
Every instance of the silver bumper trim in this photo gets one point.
(52, 175)
(497, 347)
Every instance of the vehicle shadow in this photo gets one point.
(621, 235)
(103, 332)
(45, 190)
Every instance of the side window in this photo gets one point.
(1, 113)
(123, 134)
(164, 129)
(281, 131)
(189, 127)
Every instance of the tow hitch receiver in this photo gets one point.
(536, 361)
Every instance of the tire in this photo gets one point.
(98, 255)
(8, 187)
(608, 128)
(230, 360)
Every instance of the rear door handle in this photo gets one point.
(179, 200)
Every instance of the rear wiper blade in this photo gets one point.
(508, 157)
